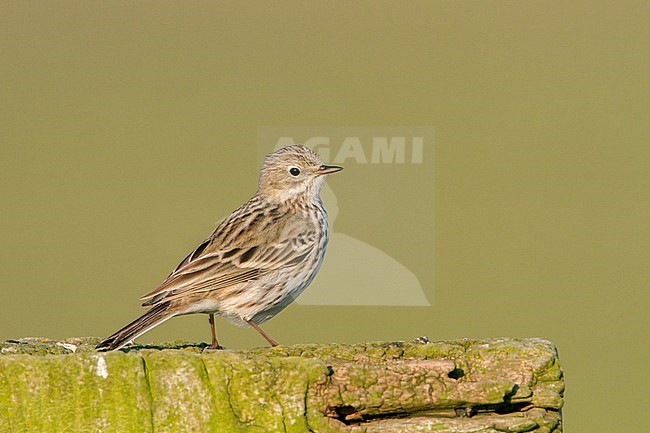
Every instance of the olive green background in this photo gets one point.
(128, 130)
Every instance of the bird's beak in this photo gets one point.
(327, 169)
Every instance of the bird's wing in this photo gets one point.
(244, 247)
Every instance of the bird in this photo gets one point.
(258, 259)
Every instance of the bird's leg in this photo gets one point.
(215, 343)
(258, 329)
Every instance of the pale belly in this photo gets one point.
(257, 300)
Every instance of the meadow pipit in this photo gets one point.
(257, 261)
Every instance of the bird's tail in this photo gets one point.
(139, 326)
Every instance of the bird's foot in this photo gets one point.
(216, 347)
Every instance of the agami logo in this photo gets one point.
(377, 150)
(354, 271)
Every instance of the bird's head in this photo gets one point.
(292, 172)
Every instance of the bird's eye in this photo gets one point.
(294, 171)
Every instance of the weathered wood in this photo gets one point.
(488, 386)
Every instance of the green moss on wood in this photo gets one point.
(370, 387)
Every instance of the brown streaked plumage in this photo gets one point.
(257, 261)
